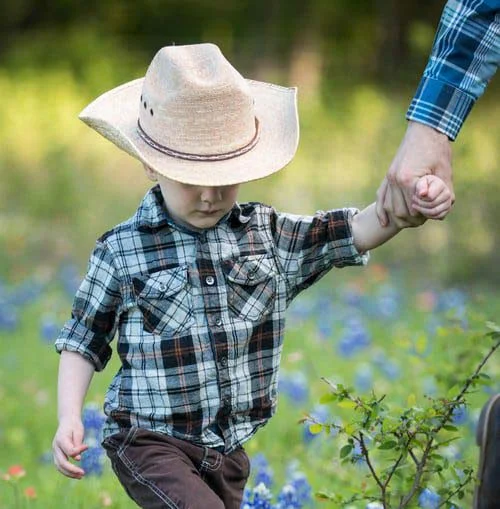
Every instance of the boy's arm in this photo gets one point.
(367, 232)
(75, 374)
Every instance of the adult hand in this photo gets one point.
(423, 151)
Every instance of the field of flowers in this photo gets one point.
(370, 329)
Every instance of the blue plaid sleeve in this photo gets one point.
(464, 57)
(95, 313)
(308, 247)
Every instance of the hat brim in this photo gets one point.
(114, 115)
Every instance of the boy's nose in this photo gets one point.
(211, 194)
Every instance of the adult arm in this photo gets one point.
(464, 57)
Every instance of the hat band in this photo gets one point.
(200, 157)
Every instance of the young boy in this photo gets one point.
(196, 284)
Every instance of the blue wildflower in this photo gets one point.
(388, 302)
(93, 458)
(294, 385)
(70, 278)
(429, 499)
(354, 338)
(460, 415)
(263, 472)
(49, 328)
(93, 421)
(257, 498)
(26, 293)
(363, 378)
(8, 317)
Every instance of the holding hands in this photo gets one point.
(404, 195)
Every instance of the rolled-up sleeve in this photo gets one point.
(309, 246)
(464, 57)
(95, 312)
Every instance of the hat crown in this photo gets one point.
(195, 102)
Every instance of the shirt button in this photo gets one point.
(227, 401)
(251, 276)
(162, 287)
(223, 362)
(218, 322)
(209, 280)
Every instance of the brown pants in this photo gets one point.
(159, 471)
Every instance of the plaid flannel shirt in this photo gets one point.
(200, 315)
(464, 57)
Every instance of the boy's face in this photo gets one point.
(198, 206)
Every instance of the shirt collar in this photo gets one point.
(152, 213)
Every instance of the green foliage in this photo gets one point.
(403, 447)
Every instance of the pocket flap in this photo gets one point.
(161, 284)
(249, 270)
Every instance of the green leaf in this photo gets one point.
(347, 403)
(328, 398)
(323, 495)
(449, 427)
(346, 450)
(316, 428)
(389, 444)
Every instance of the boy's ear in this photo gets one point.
(150, 173)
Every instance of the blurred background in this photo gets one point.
(356, 63)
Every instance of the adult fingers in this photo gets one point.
(379, 207)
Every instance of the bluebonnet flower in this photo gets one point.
(70, 278)
(302, 489)
(263, 472)
(363, 378)
(49, 328)
(454, 301)
(353, 297)
(354, 338)
(93, 421)
(387, 366)
(460, 415)
(93, 458)
(428, 499)
(257, 498)
(25, 293)
(388, 301)
(325, 326)
(8, 317)
(294, 385)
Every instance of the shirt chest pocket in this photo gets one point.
(251, 286)
(165, 301)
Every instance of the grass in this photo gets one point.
(410, 333)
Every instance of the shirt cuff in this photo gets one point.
(75, 337)
(346, 253)
(440, 105)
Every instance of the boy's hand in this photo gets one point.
(432, 197)
(68, 443)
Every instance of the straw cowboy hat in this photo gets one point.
(194, 119)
